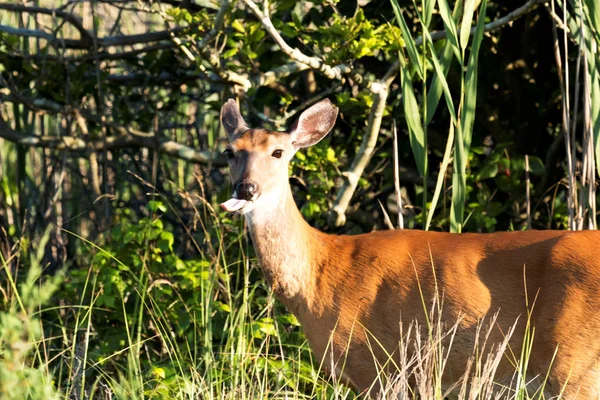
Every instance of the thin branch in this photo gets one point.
(72, 19)
(337, 214)
(147, 140)
(217, 25)
(107, 41)
(314, 62)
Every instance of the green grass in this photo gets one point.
(140, 323)
(129, 327)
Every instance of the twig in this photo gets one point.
(314, 62)
(277, 73)
(217, 24)
(74, 144)
(72, 19)
(556, 18)
(565, 126)
(380, 90)
(83, 44)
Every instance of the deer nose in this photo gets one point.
(245, 190)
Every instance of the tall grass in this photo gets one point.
(231, 342)
(462, 117)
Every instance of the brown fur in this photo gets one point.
(347, 290)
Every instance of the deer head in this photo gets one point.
(258, 158)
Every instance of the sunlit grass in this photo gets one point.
(53, 349)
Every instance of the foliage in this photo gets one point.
(23, 371)
(120, 277)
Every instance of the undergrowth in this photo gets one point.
(130, 319)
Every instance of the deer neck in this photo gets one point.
(288, 249)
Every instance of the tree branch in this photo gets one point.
(72, 19)
(123, 141)
(337, 214)
(218, 24)
(85, 44)
(313, 62)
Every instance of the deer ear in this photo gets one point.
(232, 119)
(314, 124)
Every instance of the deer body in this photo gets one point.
(352, 293)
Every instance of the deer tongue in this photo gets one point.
(232, 204)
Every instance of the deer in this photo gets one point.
(351, 291)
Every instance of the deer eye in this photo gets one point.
(277, 153)
(229, 153)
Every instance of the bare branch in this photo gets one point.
(84, 44)
(122, 141)
(337, 214)
(314, 62)
(72, 19)
(218, 24)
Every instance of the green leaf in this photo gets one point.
(457, 208)
(237, 25)
(169, 239)
(467, 21)
(441, 175)
(411, 47)
(536, 165)
(428, 6)
(468, 111)
(331, 155)
(230, 53)
(488, 171)
(450, 25)
(156, 205)
(436, 88)
(593, 12)
(440, 71)
(418, 140)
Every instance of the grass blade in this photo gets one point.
(428, 6)
(450, 25)
(445, 59)
(418, 140)
(436, 88)
(467, 20)
(468, 111)
(411, 47)
(593, 15)
(595, 111)
(441, 175)
(440, 71)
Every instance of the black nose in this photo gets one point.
(245, 191)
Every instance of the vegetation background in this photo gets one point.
(122, 278)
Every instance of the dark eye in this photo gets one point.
(277, 153)
(229, 153)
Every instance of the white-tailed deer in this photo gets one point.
(348, 290)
